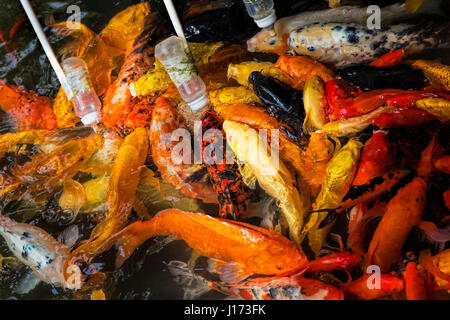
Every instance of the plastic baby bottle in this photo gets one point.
(262, 12)
(176, 59)
(81, 92)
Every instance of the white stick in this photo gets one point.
(46, 45)
(174, 18)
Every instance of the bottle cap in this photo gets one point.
(199, 103)
(90, 118)
(267, 21)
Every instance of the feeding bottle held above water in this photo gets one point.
(81, 92)
(176, 59)
(262, 12)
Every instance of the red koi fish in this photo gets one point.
(403, 212)
(376, 159)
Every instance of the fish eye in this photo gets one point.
(272, 42)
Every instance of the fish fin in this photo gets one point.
(233, 272)
(229, 272)
(28, 282)
(427, 226)
(193, 259)
(193, 285)
(307, 124)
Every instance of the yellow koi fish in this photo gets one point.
(338, 179)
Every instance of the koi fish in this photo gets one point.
(120, 109)
(122, 187)
(165, 120)
(345, 44)
(360, 287)
(265, 41)
(9, 141)
(29, 110)
(403, 118)
(315, 104)
(354, 125)
(438, 107)
(414, 283)
(343, 104)
(389, 59)
(435, 71)
(40, 176)
(338, 178)
(237, 249)
(296, 70)
(281, 102)
(376, 158)
(318, 153)
(403, 212)
(258, 118)
(41, 252)
(231, 190)
(272, 174)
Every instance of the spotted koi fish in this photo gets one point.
(41, 252)
(231, 190)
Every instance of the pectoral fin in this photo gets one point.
(229, 272)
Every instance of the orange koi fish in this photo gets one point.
(29, 110)
(165, 121)
(120, 109)
(297, 69)
(414, 283)
(237, 249)
(360, 287)
(389, 59)
(403, 212)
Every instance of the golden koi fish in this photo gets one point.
(275, 179)
(338, 179)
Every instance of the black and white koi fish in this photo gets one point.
(266, 41)
(41, 252)
(344, 44)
